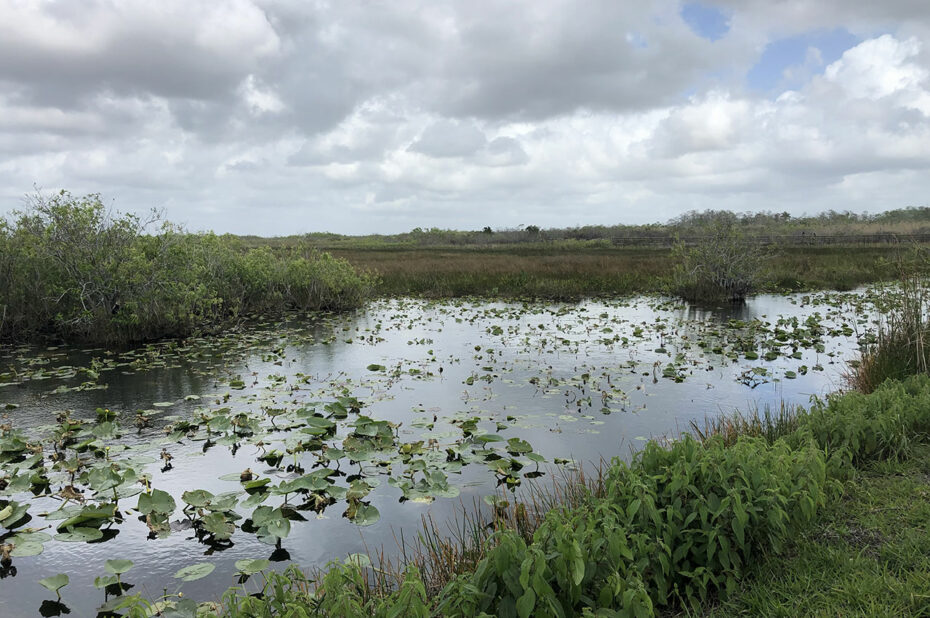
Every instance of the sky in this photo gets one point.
(358, 117)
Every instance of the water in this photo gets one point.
(579, 382)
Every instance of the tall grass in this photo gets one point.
(902, 345)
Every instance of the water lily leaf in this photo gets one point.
(105, 430)
(365, 515)
(251, 567)
(79, 535)
(219, 526)
(195, 571)
(63, 513)
(103, 581)
(254, 500)
(92, 515)
(515, 446)
(360, 561)
(278, 527)
(264, 514)
(27, 548)
(255, 485)
(184, 608)
(13, 514)
(163, 404)
(157, 502)
(55, 582)
(197, 498)
(117, 567)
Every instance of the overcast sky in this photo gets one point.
(280, 117)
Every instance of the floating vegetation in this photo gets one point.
(250, 437)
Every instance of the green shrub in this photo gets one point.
(724, 266)
(71, 269)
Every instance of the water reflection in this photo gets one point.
(577, 382)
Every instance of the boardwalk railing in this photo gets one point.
(807, 239)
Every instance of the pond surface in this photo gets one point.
(318, 438)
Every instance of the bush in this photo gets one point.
(722, 267)
(71, 269)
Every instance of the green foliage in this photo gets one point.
(72, 269)
(676, 527)
(902, 346)
(724, 266)
(868, 556)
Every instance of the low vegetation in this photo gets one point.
(725, 266)
(868, 555)
(901, 346)
(677, 527)
(828, 226)
(71, 269)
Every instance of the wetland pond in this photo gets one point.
(312, 439)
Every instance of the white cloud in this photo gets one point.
(279, 116)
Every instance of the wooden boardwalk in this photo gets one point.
(806, 239)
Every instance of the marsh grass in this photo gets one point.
(902, 344)
(576, 272)
(768, 424)
(442, 552)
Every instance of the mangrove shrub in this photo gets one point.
(723, 266)
(72, 269)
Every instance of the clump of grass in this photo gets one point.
(768, 424)
(902, 345)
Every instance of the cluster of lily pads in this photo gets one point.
(316, 442)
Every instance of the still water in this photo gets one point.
(464, 385)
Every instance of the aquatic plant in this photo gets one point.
(901, 346)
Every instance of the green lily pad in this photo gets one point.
(79, 535)
(366, 515)
(195, 571)
(117, 567)
(55, 582)
(251, 567)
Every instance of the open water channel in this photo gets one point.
(316, 438)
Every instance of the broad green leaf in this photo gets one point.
(366, 515)
(117, 567)
(251, 567)
(195, 571)
(157, 502)
(55, 582)
(79, 535)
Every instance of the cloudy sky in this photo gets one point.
(279, 117)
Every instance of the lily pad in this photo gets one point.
(79, 535)
(195, 571)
